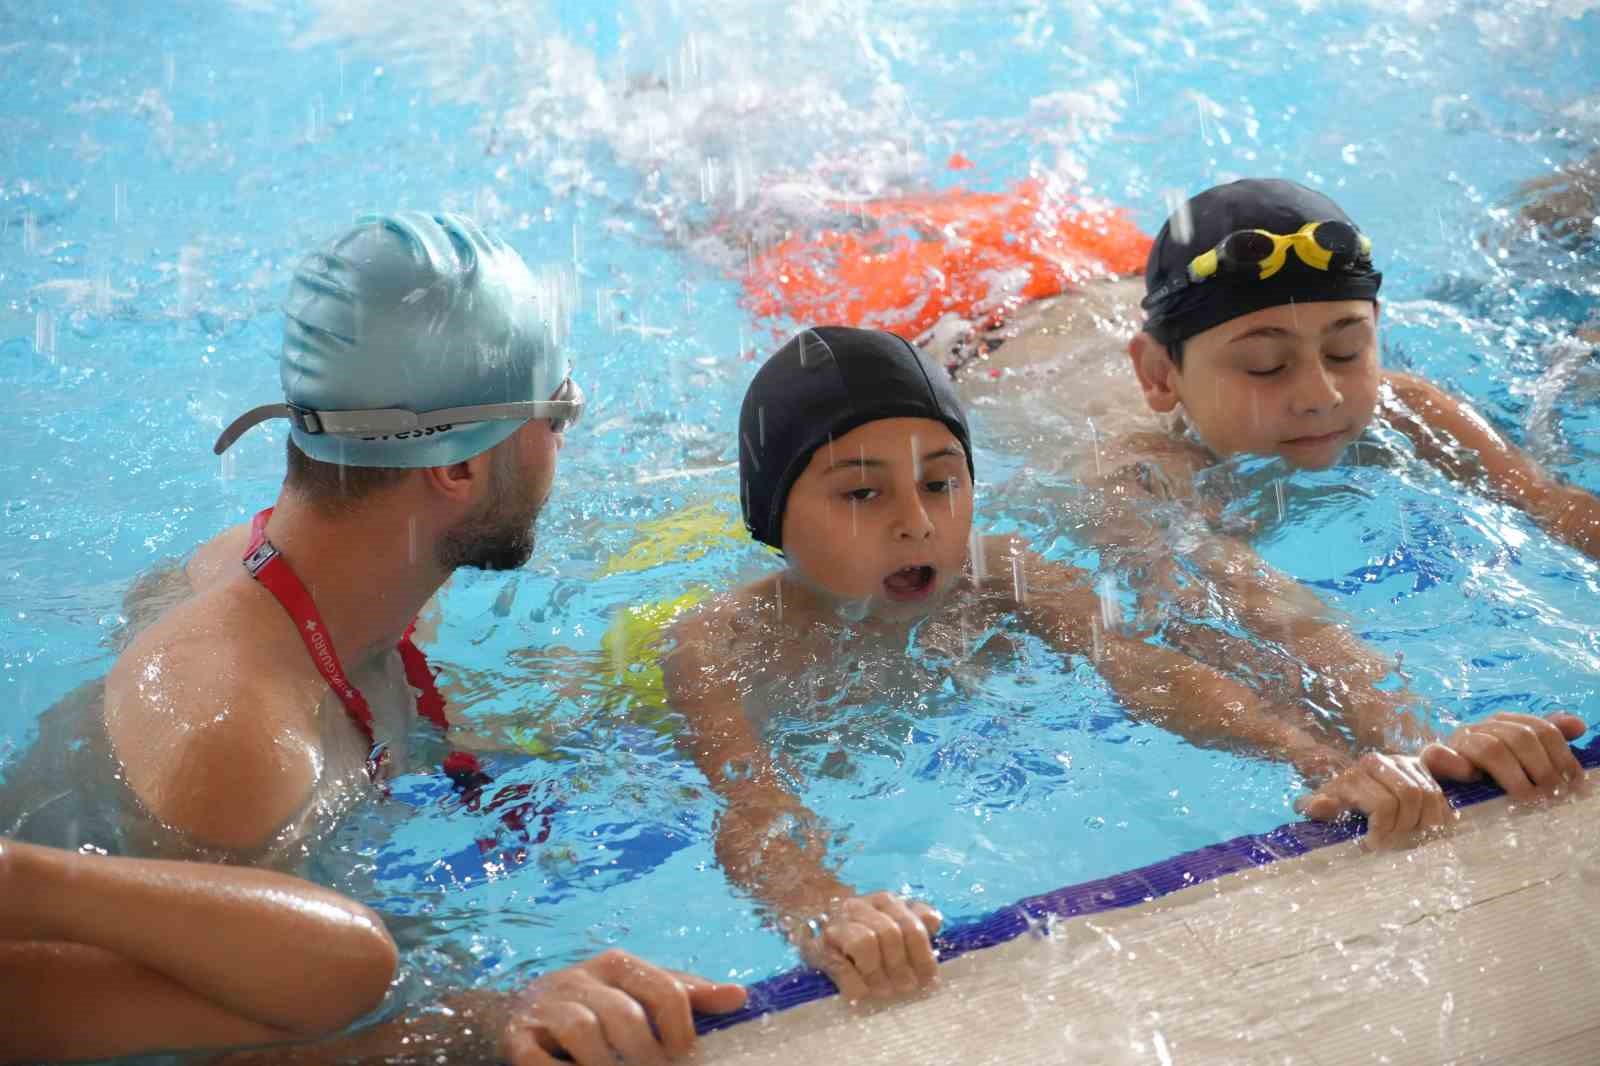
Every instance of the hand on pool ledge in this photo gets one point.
(1395, 792)
(875, 947)
(608, 1009)
(1527, 756)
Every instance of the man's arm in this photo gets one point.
(1458, 440)
(102, 957)
(772, 845)
(613, 1008)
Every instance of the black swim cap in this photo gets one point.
(822, 384)
(1255, 203)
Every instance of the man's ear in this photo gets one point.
(1156, 372)
(457, 482)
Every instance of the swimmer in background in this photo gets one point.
(855, 461)
(428, 401)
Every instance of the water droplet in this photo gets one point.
(1179, 217)
(44, 332)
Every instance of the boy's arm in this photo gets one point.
(772, 845)
(1177, 692)
(104, 956)
(1459, 441)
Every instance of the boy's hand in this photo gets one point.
(873, 947)
(1393, 791)
(1526, 755)
(609, 1009)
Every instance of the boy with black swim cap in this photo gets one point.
(856, 463)
(1261, 337)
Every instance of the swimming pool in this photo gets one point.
(163, 170)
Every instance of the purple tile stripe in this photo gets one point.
(1108, 893)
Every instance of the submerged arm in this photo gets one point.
(1320, 658)
(768, 841)
(1169, 688)
(1455, 438)
(872, 946)
(173, 954)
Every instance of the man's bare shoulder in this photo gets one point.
(218, 557)
(212, 714)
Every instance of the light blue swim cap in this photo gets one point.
(419, 312)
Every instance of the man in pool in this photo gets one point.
(855, 461)
(428, 403)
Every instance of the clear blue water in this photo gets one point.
(162, 167)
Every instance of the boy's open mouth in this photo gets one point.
(910, 583)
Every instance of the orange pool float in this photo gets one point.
(916, 258)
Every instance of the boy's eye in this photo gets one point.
(942, 485)
(1352, 357)
(1265, 373)
(861, 495)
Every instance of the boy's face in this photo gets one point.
(1298, 381)
(883, 515)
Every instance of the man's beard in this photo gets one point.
(501, 537)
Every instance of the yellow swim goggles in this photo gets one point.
(1329, 245)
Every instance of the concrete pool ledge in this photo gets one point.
(1483, 946)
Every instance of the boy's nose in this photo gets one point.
(913, 523)
(1315, 390)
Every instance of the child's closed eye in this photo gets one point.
(860, 495)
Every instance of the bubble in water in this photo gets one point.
(30, 233)
(228, 467)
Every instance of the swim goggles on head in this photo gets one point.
(1322, 245)
(562, 410)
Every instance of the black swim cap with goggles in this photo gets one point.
(1253, 244)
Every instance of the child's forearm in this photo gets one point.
(1211, 710)
(776, 850)
(266, 946)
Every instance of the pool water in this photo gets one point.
(163, 167)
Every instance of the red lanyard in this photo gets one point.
(264, 563)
